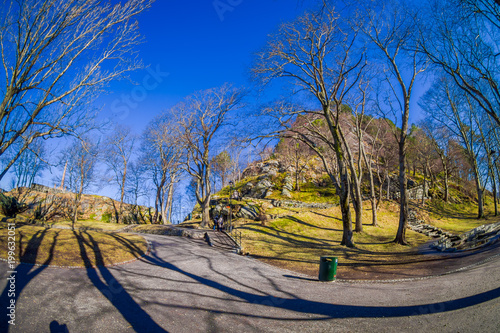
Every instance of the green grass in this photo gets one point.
(296, 242)
(458, 217)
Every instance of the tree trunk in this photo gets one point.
(297, 185)
(388, 193)
(170, 199)
(358, 205)
(373, 197)
(403, 205)
(205, 212)
(346, 212)
(122, 194)
(480, 203)
(495, 196)
(446, 189)
(164, 207)
(495, 170)
(75, 211)
(423, 187)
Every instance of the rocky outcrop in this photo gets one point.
(268, 168)
(475, 238)
(248, 212)
(414, 191)
(287, 187)
(478, 237)
(262, 189)
(45, 203)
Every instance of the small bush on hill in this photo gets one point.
(9, 206)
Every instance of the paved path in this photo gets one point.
(186, 286)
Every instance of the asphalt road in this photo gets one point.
(186, 286)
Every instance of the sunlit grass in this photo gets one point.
(298, 241)
(90, 224)
(458, 217)
(61, 247)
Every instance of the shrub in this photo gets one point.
(106, 217)
(9, 206)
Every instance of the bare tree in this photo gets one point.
(163, 154)
(295, 154)
(440, 137)
(465, 46)
(221, 165)
(82, 156)
(30, 164)
(57, 56)
(448, 106)
(361, 123)
(136, 186)
(320, 55)
(118, 148)
(201, 118)
(390, 28)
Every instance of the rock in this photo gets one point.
(248, 212)
(261, 189)
(288, 183)
(286, 193)
(247, 189)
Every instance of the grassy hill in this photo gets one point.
(295, 238)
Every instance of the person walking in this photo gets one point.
(216, 222)
(221, 223)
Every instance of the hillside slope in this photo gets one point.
(293, 229)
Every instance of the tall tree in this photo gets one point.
(201, 119)
(440, 140)
(296, 154)
(390, 29)
(221, 165)
(136, 186)
(445, 102)
(57, 56)
(30, 164)
(461, 38)
(82, 156)
(320, 55)
(118, 149)
(163, 154)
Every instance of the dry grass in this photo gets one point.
(90, 224)
(60, 247)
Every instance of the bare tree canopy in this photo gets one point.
(118, 149)
(163, 152)
(201, 118)
(320, 55)
(464, 43)
(57, 56)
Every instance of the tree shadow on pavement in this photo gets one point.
(110, 288)
(24, 273)
(330, 311)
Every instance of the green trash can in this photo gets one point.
(328, 268)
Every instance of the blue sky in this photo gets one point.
(200, 44)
